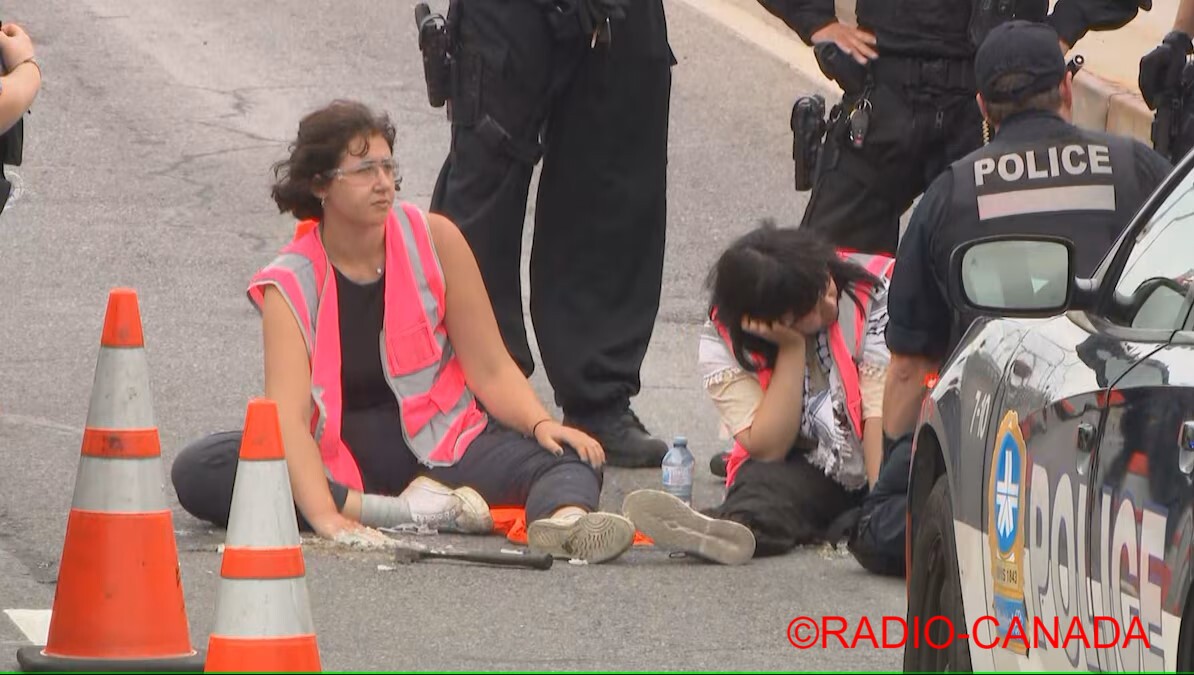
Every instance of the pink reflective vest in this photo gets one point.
(846, 339)
(439, 415)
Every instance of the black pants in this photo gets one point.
(878, 538)
(785, 504)
(915, 132)
(503, 466)
(598, 118)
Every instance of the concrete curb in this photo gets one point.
(1102, 104)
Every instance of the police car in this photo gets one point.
(1052, 480)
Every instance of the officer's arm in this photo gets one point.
(1072, 19)
(919, 316)
(806, 17)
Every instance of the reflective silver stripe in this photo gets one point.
(304, 273)
(262, 506)
(1047, 200)
(120, 397)
(436, 429)
(263, 608)
(416, 263)
(425, 442)
(439, 425)
(119, 485)
(848, 309)
(321, 419)
(417, 383)
(848, 318)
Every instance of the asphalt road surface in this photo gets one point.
(147, 165)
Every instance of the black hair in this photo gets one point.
(770, 271)
(323, 138)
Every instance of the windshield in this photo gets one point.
(1162, 244)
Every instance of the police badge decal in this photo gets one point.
(1005, 531)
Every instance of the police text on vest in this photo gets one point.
(1074, 160)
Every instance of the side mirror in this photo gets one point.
(1013, 275)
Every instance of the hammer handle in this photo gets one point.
(537, 561)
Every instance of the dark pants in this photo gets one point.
(915, 132)
(877, 541)
(598, 118)
(503, 466)
(785, 504)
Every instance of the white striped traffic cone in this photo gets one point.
(263, 614)
(119, 601)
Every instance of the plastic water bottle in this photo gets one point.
(677, 470)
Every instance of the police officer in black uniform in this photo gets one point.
(1039, 175)
(1167, 86)
(911, 111)
(585, 86)
(1096, 182)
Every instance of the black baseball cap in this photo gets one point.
(1024, 47)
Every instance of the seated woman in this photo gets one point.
(794, 358)
(385, 360)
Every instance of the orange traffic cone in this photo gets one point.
(119, 602)
(263, 614)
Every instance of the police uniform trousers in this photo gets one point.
(922, 118)
(597, 117)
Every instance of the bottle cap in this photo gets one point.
(680, 440)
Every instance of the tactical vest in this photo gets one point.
(1077, 184)
(439, 415)
(1081, 185)
(846, 341)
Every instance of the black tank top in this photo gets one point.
(372, 428)
(362, 308)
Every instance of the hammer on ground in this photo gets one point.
(535, 561)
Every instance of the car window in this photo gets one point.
(1152, 290)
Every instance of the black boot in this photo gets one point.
(623, 437)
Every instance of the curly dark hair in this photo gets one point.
(323, 138)
(769, 272)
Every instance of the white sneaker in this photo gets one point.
(435, 505)
(675, 526)
(593, 537)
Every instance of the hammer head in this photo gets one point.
(405, 554)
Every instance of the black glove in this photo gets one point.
(575, 19)
(1161, 69)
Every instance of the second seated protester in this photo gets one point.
(793, 358)
(398, 401)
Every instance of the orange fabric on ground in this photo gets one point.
(511, 521)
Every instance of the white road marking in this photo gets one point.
(34, 623)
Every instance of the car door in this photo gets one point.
(1070, 498)
(1044, 429)
(1143, 346)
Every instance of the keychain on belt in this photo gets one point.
(859, 120)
